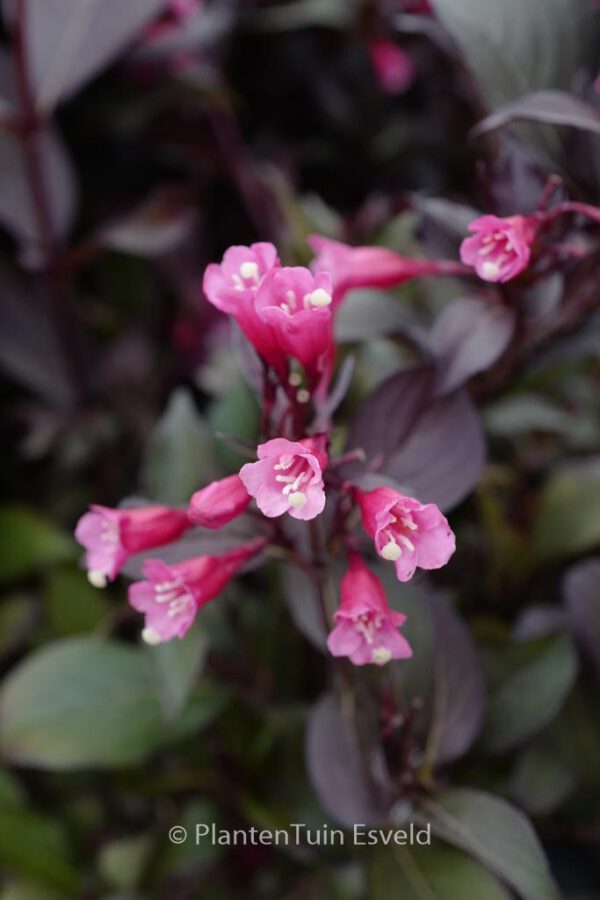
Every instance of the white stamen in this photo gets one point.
(249, 270)
(97, 578)
(295, 483)
(485, 251)
(490, 269)
(150, 636)
(177, 606)
(295, 379)
(166, 586)
(302, 396)
(320, 298)
(406, 542)
(285, 479)
(381, 655)
(391, 551)
(408, 523)
(169, 597)
(284, 463)
(297, 499)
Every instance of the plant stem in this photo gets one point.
(29, 132)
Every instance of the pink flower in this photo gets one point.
(232, 287)
(233, 283)
(393, 67)
(288, 477)
(219, 503)
(296, 305)
(405, 531)
(111, 536)
(172, 595)
(355, 267)
(366, 628)
(500, 249)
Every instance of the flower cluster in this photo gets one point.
(287, 315)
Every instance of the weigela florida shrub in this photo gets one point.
(287, 315)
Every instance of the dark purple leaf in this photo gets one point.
(70, 41)
(29, 350)
(444, 674)
(387, 416)
(582, 595)
(514, 47)
(341, 774)
(443, 457)
(458, 704)
(17, 209)
(368, 314)
(531, 693)
(160, 224)
(515, 178)
(467, 338)
(303, 605)
(548, 107)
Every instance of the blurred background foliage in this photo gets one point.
(129, 159)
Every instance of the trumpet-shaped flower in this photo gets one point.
(111, 536)
(171, 595)
(296, 305)
(233, 283)
(219, 502)
(406, 532)
(366, 628)
(500, 249)
(288, 477)
(356, 267)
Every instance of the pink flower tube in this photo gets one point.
(500, 249)
(219, 502)
(111, 536)
(406, 532)
(366, 629)
(296, 306)
(356, 267)
(288, 477)
(171, 595)
(231, 287)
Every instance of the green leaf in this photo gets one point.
(205, 702)
(37, 848)
(80, 703)
(17, 615)
(438, 872)
(542, 780)
(234, 414)
(10, 790)
(496, 834)
(73, 606)
(531, 695)
(180, 452)
(514, 48)
(568, 517)
(122, 862)
(176, 665)
(304, 14)
(29, 544)
(23, 889)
